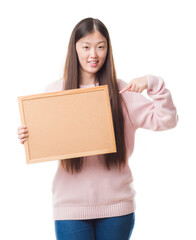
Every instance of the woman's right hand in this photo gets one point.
(22, 133)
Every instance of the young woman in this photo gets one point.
(93, 196)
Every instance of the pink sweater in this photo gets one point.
(97, 192)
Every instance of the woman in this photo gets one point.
(93, 196)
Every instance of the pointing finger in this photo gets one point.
(125, 89)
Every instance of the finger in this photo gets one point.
(22, 136)
(136, 89)
(21, 127)
(125, 89)
(140, 90)
(133, 88)
(22, 131)
(23, 140)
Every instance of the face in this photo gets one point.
(91, 51)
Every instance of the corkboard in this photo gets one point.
(67, 124)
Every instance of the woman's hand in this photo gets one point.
(22, 133)
(136, 85)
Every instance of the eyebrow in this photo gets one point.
(98, 42)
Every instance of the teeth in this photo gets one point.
(92, 62)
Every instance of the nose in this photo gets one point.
(93, 53)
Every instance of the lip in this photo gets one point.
(93, 63)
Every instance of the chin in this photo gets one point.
(92, 71)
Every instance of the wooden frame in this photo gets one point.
(67, 124)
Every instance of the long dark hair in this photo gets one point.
(106, 76)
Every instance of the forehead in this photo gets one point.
(93, 37)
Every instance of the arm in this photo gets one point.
(157, 115)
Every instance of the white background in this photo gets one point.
(148, 37)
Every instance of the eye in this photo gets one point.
(101, 47)
(85, 47)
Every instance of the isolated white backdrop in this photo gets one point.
(148, 37)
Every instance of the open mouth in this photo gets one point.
(93, 63)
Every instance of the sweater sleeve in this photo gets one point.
(159, 114)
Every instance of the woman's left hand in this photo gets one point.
(136, 85)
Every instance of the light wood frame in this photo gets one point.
(67, 124)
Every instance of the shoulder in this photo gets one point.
(54, 86)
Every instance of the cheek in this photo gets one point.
(82, 58)
(102, 57)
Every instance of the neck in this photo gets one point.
(87, 79)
